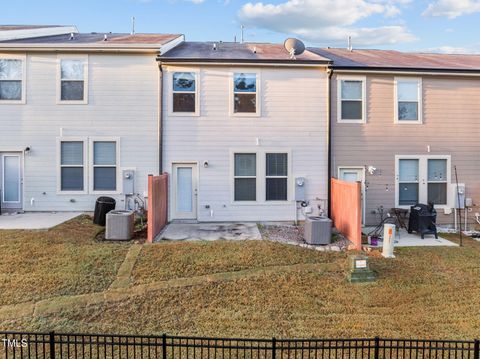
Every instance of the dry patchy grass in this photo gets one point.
(162, 261)
(61, 261)
(424, 292)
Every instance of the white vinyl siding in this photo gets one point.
(217, 134)
(408, 100)
(351, 101)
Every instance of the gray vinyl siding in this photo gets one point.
(293, 118)
(122, 102)
(451, 126)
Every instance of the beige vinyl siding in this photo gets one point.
(122, 102)
(451, 126)
(293, 118)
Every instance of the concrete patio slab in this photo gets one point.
(35, 220)
(405, 239)
(210, 231)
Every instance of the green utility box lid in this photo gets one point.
(359, 269)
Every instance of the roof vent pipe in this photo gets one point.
(72, 36)
(105, 38)
(214, 47)
(349, 44)
(254, 49)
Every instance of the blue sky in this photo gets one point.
(435, 25)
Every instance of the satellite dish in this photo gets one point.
(294, 47)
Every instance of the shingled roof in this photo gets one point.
(237, 52)
(390, 60)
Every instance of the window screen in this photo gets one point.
(104, 166)
(72, 166)
(245, 177)
(351, 100)
(407, 97)
(276, 176)
(72, 80)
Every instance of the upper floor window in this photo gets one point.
(245, 95)
(73, 88)
(351, 100)
(184, 92)
(11, 80)
(408, 100)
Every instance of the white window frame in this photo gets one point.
(23, 58)
(363, 79)
(256, 176)
(59, 164)
(423, 178)
(261, 177)
(419, 82)
(172, 71)
(86, 76)
(286, 177)
(258, 75)
(91, 165)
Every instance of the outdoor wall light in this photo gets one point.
(27, 150)
(205, 164)
(372, 170)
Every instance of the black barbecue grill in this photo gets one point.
(422, 219)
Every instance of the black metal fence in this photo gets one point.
(105, 346)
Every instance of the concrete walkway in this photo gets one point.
(210, 231)
(35, 220)
(405, 239)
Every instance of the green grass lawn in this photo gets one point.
(64, 260)
(430, 292)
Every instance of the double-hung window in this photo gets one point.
(245, 95)
(73, 88)
(104, 165)
(351, 100)
(11, 80)
(184, 92)
(423, 179)
(408, 182)
(72, 166)
(437, 181)
(245, 177)
(408, 100)
(276, 177)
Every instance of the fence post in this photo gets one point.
(52, 344)
(274, 348)
(377, 347)
(164, 346)
(476, 349)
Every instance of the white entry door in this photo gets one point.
(184, 188)
(11, 181)
(354, 174)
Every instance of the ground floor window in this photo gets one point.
(72, 166)
(245, 177)
(104, 166)
(422, 179)
(276, 176)
(261, 176)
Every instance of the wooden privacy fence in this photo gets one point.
(346, 210)
(157, 205)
